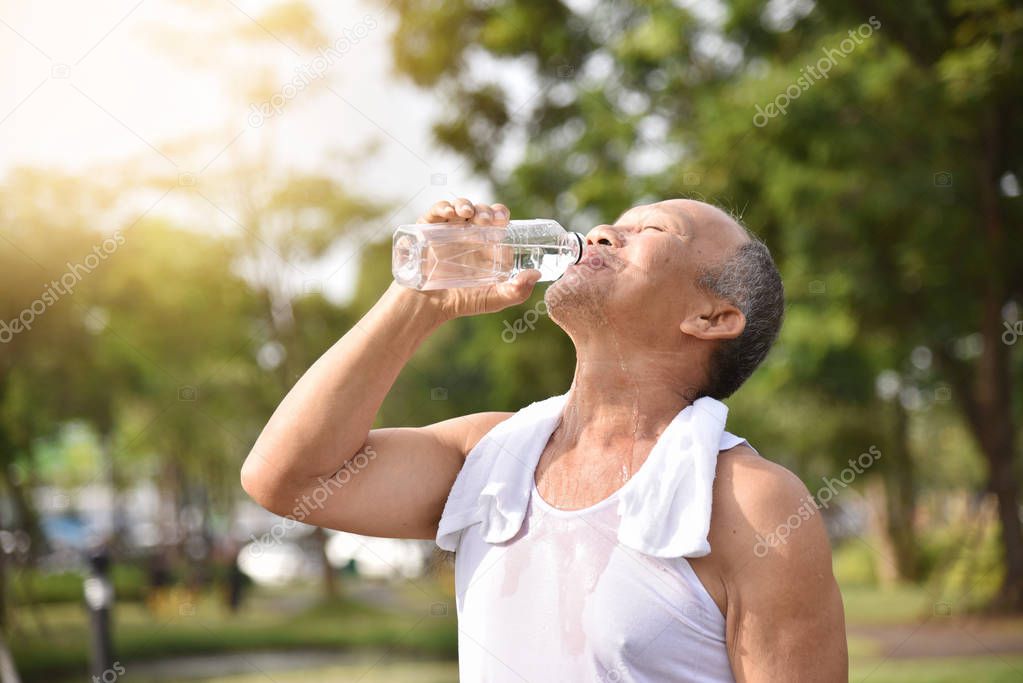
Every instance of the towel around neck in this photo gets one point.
(664, 509)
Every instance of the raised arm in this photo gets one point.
(318, 461)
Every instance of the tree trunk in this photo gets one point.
(900, 497)
(985, 398)
(117, 540)
(25, 512)
(885, 567)
(984, 393)
(4, 598)
(171, 491)
(8, 674)
(995, 431)
(992, 421)
(330, 590)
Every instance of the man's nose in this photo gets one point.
(604, 234)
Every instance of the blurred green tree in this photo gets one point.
(887, 187)
(282, 222)
(41, 234)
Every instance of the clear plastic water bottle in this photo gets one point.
(451, 255)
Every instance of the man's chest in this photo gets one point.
(576, 478)
(563, 589)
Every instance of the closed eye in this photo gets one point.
(653, 227)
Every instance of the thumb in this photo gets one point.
(518, 289)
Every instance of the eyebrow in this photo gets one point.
(684, 230)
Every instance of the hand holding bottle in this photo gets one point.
(487, 298)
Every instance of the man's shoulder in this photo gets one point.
(751, 482)
(756, 503)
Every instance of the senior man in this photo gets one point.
(608, 534)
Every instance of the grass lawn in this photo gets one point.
(368, 672)
(873, 615)
(380, 640)
(269, 622)
(991, 669)
(869, 605)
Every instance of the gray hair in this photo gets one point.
(750, 281)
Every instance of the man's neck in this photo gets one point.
(614, 414)
(613, 400)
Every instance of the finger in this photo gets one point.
(484, 215)
(439, 212)
(501, 214)
(443, 210)
(518, 289)
(528, 278)
(464, 208)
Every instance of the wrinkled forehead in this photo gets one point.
(662, 214)
(692, 219)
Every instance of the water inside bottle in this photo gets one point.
(460, 257)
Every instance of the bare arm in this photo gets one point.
(317, 459)
(784, 615)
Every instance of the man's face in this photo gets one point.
(640, 274)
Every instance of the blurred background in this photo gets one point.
(196, 200)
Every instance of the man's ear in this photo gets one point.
(723, 321)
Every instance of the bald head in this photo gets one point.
(713, 233)
(701, 214)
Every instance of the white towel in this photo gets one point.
(664, 509)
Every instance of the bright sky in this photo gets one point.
(98, 82)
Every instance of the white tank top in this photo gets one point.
(598, 594)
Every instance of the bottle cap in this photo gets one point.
(582, 245)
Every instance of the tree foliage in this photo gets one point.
(886, 186)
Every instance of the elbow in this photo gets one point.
(250, 479)
(266, 487)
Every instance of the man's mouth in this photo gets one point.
(598, 257)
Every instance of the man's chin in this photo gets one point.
(577, 287)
